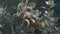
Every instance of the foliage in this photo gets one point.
(14, 20)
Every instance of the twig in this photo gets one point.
(12, 29)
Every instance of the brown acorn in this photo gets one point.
(38, 22)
